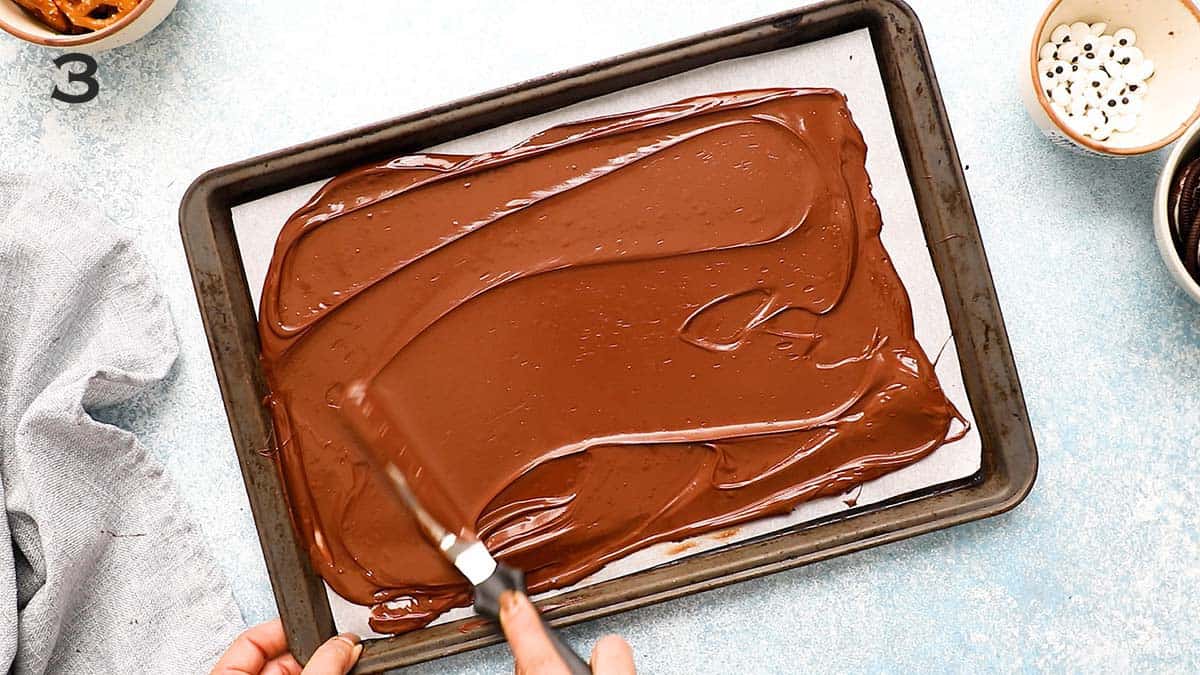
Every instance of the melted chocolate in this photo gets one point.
(623, 331)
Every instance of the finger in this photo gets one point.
(252, 649)
(336, 657)
(612, 656)
(282, 665)
(532, 650)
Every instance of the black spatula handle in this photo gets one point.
(487, 603)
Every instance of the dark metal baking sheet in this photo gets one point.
(1009, 461)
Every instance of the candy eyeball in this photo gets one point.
(1098, 28)
(1107, 49)
(1097, 79)
(1049, 51)
(1128, 56)
(1061, 34)
(1125, 38)
(1113, 70)
(1066, 52)
(1053, 71)
(1045, 71)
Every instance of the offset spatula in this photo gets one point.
(464, 550)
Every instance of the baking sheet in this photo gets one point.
(845, 62)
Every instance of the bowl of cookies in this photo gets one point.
(1177, 212)
(82, 25)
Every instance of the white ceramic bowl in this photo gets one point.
(1168, 32)
(1188, 147)
(142, 20)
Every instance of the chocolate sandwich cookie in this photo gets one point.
(1183, 212)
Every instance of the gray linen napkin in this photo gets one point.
(106, 572)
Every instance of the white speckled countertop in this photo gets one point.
(1097, 570)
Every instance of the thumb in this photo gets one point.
(336, 657)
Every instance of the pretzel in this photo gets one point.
(95, 14)
(47, 12)
(77, 16)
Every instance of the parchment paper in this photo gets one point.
(845, 62)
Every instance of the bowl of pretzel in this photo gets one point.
(82, 25)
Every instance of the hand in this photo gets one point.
(263, 650)
(535, 655)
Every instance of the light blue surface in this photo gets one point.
(1097, 570)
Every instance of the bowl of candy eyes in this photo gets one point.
(1114, 77)
(82, 25)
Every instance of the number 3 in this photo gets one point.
(86, 76)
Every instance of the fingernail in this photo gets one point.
(349, 638)
(356, 653)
